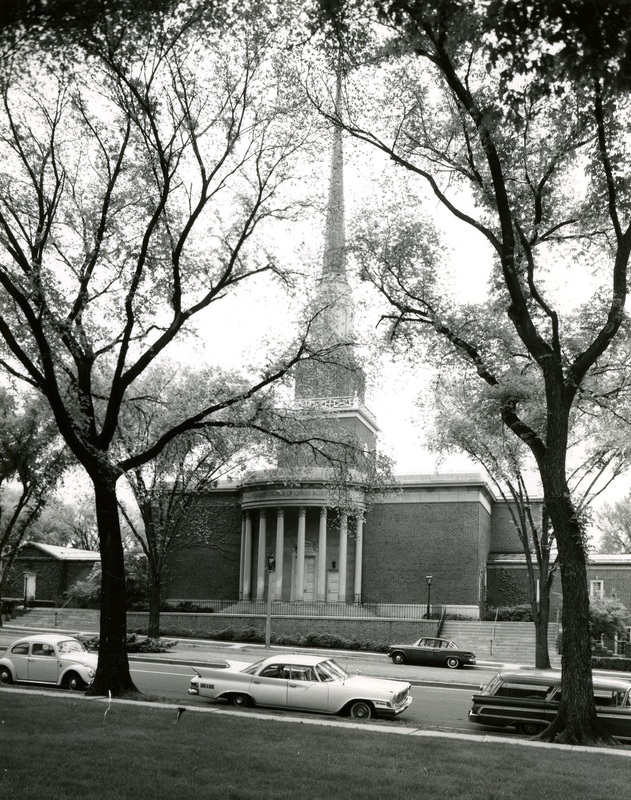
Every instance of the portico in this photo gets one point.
(318, 550)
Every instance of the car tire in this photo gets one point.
(398, 658)
(5, 676)
(360, 710)
(529, 728)
(453, 662)
(75, 682)
(240, 700)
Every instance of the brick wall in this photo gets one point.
(404, 542)
(53, 576)
(504, 537)
(211, 570)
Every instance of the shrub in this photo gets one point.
(520, 613)
(617, 663)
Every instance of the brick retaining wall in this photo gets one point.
(379, 631)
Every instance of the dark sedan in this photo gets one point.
(431, 652)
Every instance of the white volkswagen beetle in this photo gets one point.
(48, 658)
(303, 683)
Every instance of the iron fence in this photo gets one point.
(282, 608)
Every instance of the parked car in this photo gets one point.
(431, 652)
(304, 683)
(529, 700)
(51, 658)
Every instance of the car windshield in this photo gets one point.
(70, 646)
(332, 669)
(252, 668)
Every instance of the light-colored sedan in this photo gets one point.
(48, 658)
(303, 683)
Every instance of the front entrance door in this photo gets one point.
(309, 592)
(30, 580)
(333, 583)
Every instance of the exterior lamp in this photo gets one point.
(271, 566)
(428, 578)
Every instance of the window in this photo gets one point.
(20, 649)
(597, 590)
(273, 671)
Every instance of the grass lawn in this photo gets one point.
(67, 747)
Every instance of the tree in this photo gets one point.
(138, 169)
(467, 418)
(163, 488)
(608, 617)
(67, 522)
(614, 523)
(32, 459)
(513, 116)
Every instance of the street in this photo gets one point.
(441, 697)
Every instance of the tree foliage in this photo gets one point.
(614, 524)
(32, 460)
(608, 617)
(139, 165)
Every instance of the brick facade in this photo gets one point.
(54, 571)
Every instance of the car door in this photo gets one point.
(19, 656)
(305, 691)
(43, 665)
(269, 687)
(423, 653)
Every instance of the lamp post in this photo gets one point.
(271, 566)
(428, 578)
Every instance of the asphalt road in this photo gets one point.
(442, 697)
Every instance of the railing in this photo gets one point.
(366, 609)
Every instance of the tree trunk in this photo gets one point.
(155, 596)
(112, 674)
(576, 722)
(542, 618)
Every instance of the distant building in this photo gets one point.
(45, 572)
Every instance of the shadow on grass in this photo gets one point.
(71, 747)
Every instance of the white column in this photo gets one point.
(300, 554)
(343, 557)
(262, 559)
(359, 548)
(280, 547)
(241, 557)
(321, 585)
(247, 557)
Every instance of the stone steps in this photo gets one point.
(62, 618)
(501, 641)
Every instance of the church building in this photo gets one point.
(435, 543)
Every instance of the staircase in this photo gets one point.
(510, 642)
(78, 620)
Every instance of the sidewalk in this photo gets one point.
(209, 653)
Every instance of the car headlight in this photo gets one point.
(91, 673)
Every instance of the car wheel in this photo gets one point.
(398, 658)
(74, 682)
(529, 728)
(361, 710)
(5, 675)
(453, 663)
(240, 700)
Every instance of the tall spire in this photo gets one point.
(335, 239)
